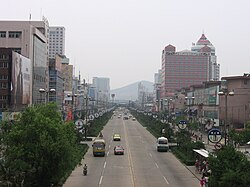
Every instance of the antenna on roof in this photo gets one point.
(30, 17)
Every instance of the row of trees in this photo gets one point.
(39, 149)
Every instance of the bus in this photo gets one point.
(162, 144)
(99, 147)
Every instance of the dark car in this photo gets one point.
(118, 150)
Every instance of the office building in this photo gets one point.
(29, 39)
(102, 87)
(56, 41)
(188, 67)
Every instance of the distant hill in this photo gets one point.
(130, 92)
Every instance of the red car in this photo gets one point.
(118, 150)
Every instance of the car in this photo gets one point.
(118, 150)
(117, 137)
(133, 119)
(125, 117)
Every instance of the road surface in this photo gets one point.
(140, 166)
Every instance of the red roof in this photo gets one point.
(203, 40)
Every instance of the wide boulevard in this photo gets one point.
(140, 166)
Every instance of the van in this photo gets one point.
(162, 144)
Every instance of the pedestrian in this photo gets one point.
(197, 165)
(206, 181)
(202, 181)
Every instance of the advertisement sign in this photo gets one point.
(20, 80)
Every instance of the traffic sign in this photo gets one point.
(182, 124)
(79, 123)
(214, 135)
(91, 117)
(218, 146)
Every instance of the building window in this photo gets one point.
(3, 77)
(3, 97)
(3, 57)
(2, 34)
(4, 85)
(15, 34)
(4, 65)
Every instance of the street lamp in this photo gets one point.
(86, 115)
(226, 126)
(73, 102)
(47, 92)
(189, 102)
(168, 104)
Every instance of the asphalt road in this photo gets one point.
(140, 166)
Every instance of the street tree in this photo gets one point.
(39, 148)
(229, 168)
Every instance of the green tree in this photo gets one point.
(229, 168)
(40, 147)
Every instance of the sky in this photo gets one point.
(123, 39)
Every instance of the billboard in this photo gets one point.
(20, 80)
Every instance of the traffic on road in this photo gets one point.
(139, 163)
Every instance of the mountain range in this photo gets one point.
(130, 92)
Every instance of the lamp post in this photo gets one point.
(226, 126)
(47, 92)
(73, 103)
(168, 104)
(189, 102)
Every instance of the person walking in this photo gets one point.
(202, 181)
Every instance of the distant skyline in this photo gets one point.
(123, 40)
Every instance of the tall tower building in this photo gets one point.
(204, 45)
(186, 68)
(56, 41)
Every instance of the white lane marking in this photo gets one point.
(100, 182)
(108, 153)
(156, 165)
(150, 154)
(104, 164)
(166, 180)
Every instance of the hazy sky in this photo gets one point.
(123, 39)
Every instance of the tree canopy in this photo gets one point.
(38, 148)
(229, 168)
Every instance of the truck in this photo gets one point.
(162, 144)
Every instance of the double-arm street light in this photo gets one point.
(168, 106)
(73, 102)
(47, 92)
(189, 101)
(226, 125)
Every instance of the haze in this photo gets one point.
(123, 40)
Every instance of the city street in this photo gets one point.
(140, 166)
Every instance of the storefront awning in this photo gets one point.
(202, 152)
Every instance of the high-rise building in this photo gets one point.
(186, 68)
(29, 39)
(102, 87)
(56, 41)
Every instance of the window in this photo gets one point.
(3, 97)
(4, 65)
(15, 34)
(2, 34)
(3, 77)
(3, 85)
